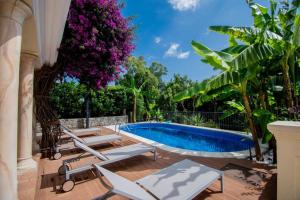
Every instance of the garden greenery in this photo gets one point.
(141, 88)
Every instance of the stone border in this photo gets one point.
(236, 154)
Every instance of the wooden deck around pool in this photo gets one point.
(243, 179)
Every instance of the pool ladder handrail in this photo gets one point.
(117, 127)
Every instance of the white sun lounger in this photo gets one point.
(94, 140)
(83, 131)
(89, 141)
(183, 180)
(106, 157)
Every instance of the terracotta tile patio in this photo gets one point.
(243, 179)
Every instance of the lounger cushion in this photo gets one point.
(94, 140)
(182, 180)
(125, 187)
(127, 151)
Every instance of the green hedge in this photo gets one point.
(68, 100)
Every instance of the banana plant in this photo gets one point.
(239, 81)
(280, 31)
(272, 36)
(239, 67)
(263, 117)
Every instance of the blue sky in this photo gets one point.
(165, 29)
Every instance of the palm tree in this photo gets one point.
(136, 91)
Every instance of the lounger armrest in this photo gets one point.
(99, 155)
(73, 136)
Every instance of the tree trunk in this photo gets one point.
(262, 99)
(182, 105)
(258, 155)
(297, 107)
(263, 94)
(134, 109)
(194, 98)
(44, 80)
(87, 111)
(287, 86)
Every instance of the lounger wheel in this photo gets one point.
(62, 169)
(68, 185)
(57, 156)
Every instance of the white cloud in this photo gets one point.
(174, 51)
(183, 5)
(157, 40)
(183, 55)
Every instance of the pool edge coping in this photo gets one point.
(236, 154)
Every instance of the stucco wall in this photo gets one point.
(287, 134)
(97, 121)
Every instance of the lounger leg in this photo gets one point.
(67, 172)
(105, 196)
(222, 183)
(155, 155)
(67, 175)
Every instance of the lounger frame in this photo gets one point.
(63, 147)
(69, 172)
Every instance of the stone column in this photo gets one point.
(12, 15)
(287, 135)
(25, 161)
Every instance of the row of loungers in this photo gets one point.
(182, 180)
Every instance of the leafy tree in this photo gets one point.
(142, 84)
(96, 42)
(159, 71)
(112, 100)
(166, 101)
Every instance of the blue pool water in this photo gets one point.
(191, 138)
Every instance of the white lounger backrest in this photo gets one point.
(90, 150)
(123, 186)
(73, 136)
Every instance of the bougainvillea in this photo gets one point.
(96, 42)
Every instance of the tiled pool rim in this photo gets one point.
(235, 154)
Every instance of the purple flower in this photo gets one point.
(96, 42)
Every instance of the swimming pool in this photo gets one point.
(191, 138)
